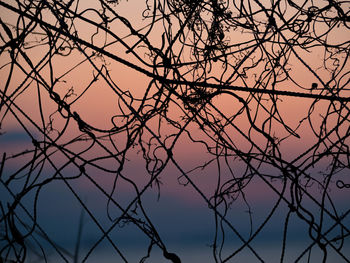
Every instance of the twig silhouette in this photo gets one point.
(261, 88)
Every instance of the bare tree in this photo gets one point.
(259, 90)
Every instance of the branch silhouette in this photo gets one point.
(227, 96)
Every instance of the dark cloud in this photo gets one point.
(14, 137)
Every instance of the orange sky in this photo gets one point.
(99, 104)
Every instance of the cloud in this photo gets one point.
(14, 136)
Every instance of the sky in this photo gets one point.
(104, 92)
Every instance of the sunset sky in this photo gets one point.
(91, 116)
